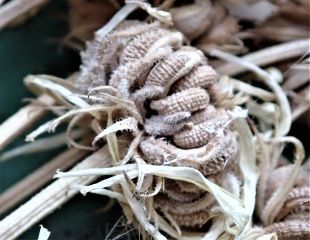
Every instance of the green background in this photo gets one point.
(34, 48)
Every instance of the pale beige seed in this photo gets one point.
(208, 113)
(138, 47)
(166, 125)
(290, 230)
(200, 134)
(174, 192)
(298, 201)
(100, 57)
(200, 76)
(220, 152)
(186, 187)
(172, 68)
(189, 100)
(168, 205)
(196, 219)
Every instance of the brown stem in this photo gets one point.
(52, 197)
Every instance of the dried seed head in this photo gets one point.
(189, 100)
(201, 76)
(290, 230)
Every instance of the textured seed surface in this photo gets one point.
(200, 76)
(199, 134)
(189, 100)
(139, 46)
(176, 65)
(290, 230)
(219, 152)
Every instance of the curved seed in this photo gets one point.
(200, 134)
(175, 66)
(220, 151)
(201, 76)
(298, 201)
(166, 125)
(189, 100)
(196, 219)
(208, 113)
(138, 47)
(290, 230)
(174, 191)
(168, 205)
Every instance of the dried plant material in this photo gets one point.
(192, 20)
(267, 56)
(291, 22)
(290, 230)
(192, 160)
(222, 34)
(50, 198)
(85, 17)
(17, 11)
(284, 122)
(43, 144)
(22, 120)
(252, 11)
(44, 234)
(160, 15)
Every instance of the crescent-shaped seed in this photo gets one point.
(201, 76)
(189, 100)
(172, 68)
(200, 134)
(290, 230)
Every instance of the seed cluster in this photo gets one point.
(168, 82)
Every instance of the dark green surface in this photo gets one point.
(33, 48)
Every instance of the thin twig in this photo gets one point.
(17, 8)
(22, 120)
(51, 198)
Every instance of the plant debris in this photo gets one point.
(195, 147)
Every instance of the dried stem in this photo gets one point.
(51, 198)
(17, 8)
(37, 179)
(268, 55)
(22, 120)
